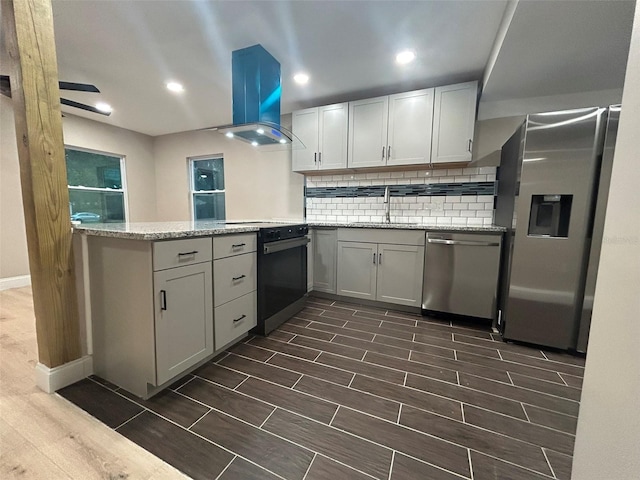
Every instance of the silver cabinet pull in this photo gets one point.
(235, 279)
(163, 299)
(379, 259)
(389, 152)
(374, 258)
(238, 245)
(315, 157)
(241, 317)
(469, 146)
(184, 254)
(319, 157)
(383, 153)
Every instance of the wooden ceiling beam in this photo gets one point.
(30, 43)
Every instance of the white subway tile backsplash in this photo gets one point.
(475, 222)
(484, 213)
(429, 210)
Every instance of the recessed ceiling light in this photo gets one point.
(175, 87)
(229, 134)
(255, 144)
(260, 131)
(282, 140)
(406, 56)
(301, 78)
(104, 107)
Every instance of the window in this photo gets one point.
(207, 188)
(96, 186)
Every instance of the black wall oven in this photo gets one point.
(282, 274)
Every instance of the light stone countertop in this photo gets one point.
(411, 226)
(168, 230)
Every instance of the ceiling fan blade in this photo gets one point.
(80, 87)
(82, 106)
(5, 86)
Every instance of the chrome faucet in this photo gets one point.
(387, 205)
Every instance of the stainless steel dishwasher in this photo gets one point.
(461, 274)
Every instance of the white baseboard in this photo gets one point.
(52, 379)
(15, 282)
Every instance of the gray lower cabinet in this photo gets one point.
(357, 269)
(324, 245)
(151, 309)
(234, 287)
(385, 272)
(183, 318)
(400, 274)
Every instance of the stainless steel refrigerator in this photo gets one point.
(553, 186)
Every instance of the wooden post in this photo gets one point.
(28, 27)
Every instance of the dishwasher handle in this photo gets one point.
(442, 241)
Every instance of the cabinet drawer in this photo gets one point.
(382, 235)
(234, 319)
(227, 245)
(176, 253)
(233, 277)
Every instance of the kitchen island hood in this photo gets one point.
(256, 96)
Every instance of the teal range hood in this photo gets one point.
(256, 99)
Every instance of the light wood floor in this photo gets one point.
(43, 436)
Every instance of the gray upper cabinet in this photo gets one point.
(409, 131)
(368, 126)
(323, 131)
(420, 127)
(453, 122)
(393, 130)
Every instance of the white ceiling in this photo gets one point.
(130, 48)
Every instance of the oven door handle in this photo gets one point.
(280, 245)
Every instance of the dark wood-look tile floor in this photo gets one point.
(347, 391)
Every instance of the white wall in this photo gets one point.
(139, 163)
(608, 435)
(258, 184)
(14, 261)
(79, 132)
